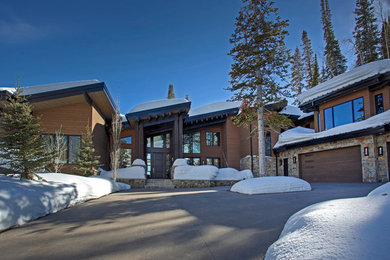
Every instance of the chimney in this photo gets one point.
(187, 98)
(171, 93)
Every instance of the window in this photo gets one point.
(212, 161)
(193, 161)
(379, 104)
(191, 142)
(345, 113)
(212, 138)
(319, 122)
(158, 141)
(268, 144)
(72, 147)
(148, 164)
(126, 140)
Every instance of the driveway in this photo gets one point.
(209, 223)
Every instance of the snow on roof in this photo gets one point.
(291, 110)
(30, 90)
(8, 89)
(304, 115)
(214, 107)
(346, 79)
(157, 104)
(300, 134)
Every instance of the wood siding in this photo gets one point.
(338, 165)
(100, 138)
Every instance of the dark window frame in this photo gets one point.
(190, 160)
(333, 115)
(123, 139)
(210, 138)
(268, 150)
(213, 161)
(67, 153)
(379, 108)
(191, 142)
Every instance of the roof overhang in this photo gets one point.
(373, 83)
(211, 116)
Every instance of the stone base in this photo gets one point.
(224, 182)
(202, 183)
(134, 183)
(245, 164)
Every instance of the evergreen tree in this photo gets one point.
(307, 56)
(297, 74)
(125, 159)
(366, 33)
(260, 62)
(88, 161)
(335, 62)
(316, 78)
(385, 39)
(171, 93)
(22, 145)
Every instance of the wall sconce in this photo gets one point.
(366, 153)
(380, 150)
(294, 159)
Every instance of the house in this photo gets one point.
(351, 140)
(71, 107)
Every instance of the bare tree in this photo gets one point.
(116, 127)
(58, 150)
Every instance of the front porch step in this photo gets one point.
(159, 184)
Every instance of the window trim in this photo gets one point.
(376, 103)
(67, 146)
(191, 159)
(191, 144)
(213, 160)
(213, 136)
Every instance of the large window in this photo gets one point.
(159, 141)
(191, 142)
(126, 140)
(345, 113)
(213, 161)
(379, 108)
(212, 138)
(72, 147)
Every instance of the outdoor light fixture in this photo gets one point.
(380, 150)
(294, 159)
(366, 151)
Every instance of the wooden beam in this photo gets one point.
(141, 141)
(176, 137)
(136, 140)
(180, 133)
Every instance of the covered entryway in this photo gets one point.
(338, 165)
(158, 156)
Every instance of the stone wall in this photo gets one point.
(374, 167)
(245, 163)
(202, 183)
(134, 183)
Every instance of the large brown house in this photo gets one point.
(71, 107)
(351, 141)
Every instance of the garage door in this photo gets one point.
(339, 165)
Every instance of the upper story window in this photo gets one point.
(212, 138)
(379, 104)
(72, 145)
(126, 140)
(159, 141)
(345, 113)
(191, 142)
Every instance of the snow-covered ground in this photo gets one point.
(24, 200)
(356, 228)
(270, 184)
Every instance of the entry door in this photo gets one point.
(285, 167)
(158, 155)
(158, 166)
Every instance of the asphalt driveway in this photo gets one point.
(209, 223)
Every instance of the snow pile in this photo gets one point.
(214, 107)
(25, 200)
(356, 228)
(157, 104)
(180, 162)
(139, 162)
(233, 174)
(134, 172)
(383, 190)
(300, 134)
(346, 79)
(291, 110)
(201, 172)
(270, 184)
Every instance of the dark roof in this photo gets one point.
(180, 107)
(210, 116)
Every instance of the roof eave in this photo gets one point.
(180, 108)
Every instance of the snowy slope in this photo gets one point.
(270, 184)
(300, 134)
(157, 104)
(25, 200)
(356, 228)
(346, 79)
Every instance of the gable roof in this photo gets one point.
(360, 77)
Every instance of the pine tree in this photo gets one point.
(260, 62)
(366, 33)
(316, 78)
(385, 39)
(88, 161)
(22, 145)
(297, 74)
(125, 159)
(335, 62)
(171, 93)
(307, 57)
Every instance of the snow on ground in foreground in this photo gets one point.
(356, 228)
(270, 184)
(25, 200)
(233, 174)
(201, 172)
(381, 190)
(134, 172)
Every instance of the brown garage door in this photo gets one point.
(340, 165)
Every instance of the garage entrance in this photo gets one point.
(339, 165)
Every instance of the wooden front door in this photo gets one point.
(158, 156)
(285, 167)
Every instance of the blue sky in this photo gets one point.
(139, 47)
